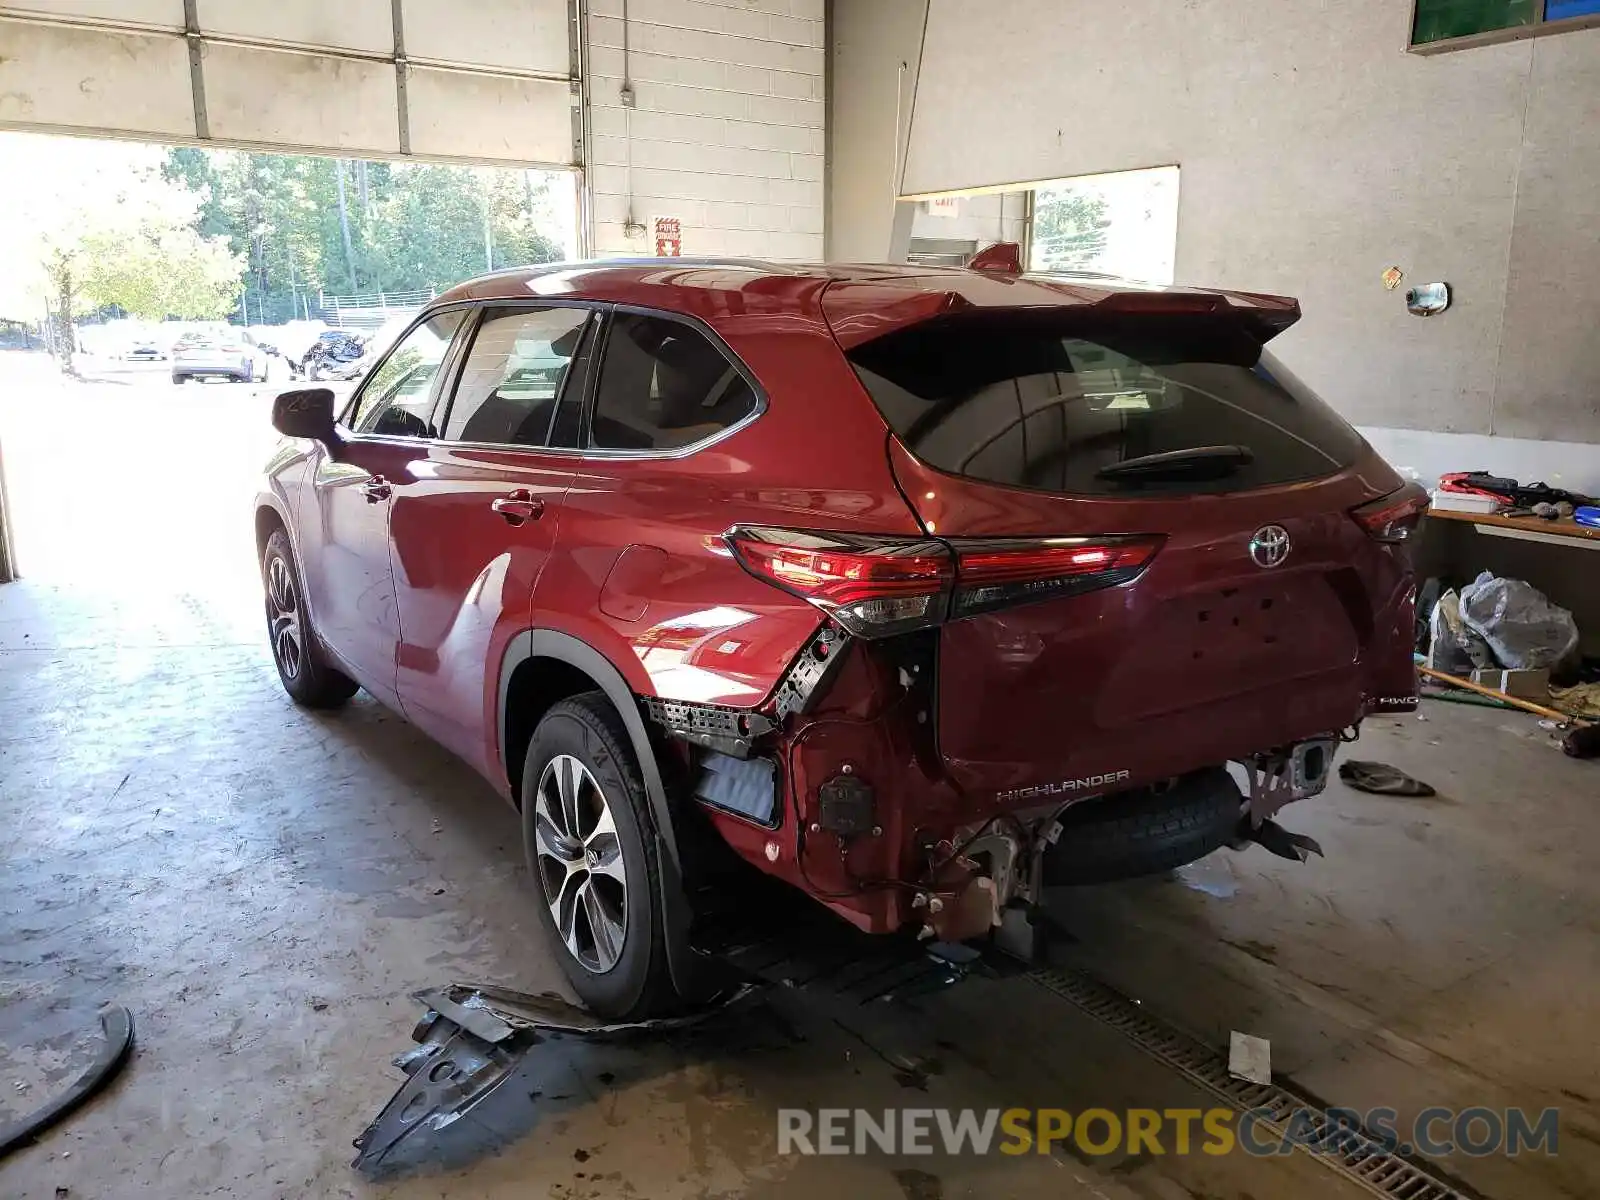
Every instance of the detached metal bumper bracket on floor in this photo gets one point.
(469, 1041)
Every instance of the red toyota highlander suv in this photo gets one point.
(922, 588)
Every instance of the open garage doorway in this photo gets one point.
(154, 298)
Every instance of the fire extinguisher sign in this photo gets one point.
(669, 237)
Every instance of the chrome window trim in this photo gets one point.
(610, 454)
(603, 310)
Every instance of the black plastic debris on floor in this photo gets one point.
(470, 1040)
(1381, 779)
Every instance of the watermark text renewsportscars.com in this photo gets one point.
(1433, 1133)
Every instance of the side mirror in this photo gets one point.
(304, 413)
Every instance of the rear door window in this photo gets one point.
(664, 385)
(1039, 403)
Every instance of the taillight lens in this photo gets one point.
(872, 586)
(994, 574)
(875, 586)
(1393, 518)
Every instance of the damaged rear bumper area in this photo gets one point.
(838, 787)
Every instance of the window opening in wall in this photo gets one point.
(1123, 223)
(1438, 25)
(941, 252)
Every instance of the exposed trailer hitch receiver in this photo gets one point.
(1276, 779)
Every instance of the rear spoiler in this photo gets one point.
(862, 310)
(1264, 315)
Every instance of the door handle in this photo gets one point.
(518, 507)
(375, 489)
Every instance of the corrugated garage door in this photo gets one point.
(493, 81)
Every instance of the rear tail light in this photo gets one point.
(872, 586)
(993, 574)
(875, 586)
(1393, 518)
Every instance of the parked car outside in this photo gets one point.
(334, 355)
(223, 353)
(920, 589)
(372, 346)
(294, 338)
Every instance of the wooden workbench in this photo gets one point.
(1559, 530)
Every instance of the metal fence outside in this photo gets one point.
(370, 310)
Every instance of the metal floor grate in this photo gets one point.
(1351, 1153)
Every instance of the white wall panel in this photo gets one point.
(83, 80)
(167, 14)
(300, 75)
(1548, 382)
(528, 35)
(454, 114)
(1315, 153)
(348, 25)
(281, 98)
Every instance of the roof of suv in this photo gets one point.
(863, 300)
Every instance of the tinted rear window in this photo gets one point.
(1032, 402)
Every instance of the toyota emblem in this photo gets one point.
(1269, 546)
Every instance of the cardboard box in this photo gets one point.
(1529, 685)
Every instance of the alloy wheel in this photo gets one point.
(283, 618)
(580, 863)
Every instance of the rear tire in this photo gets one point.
(1146, 832)
(591, 850)
(179, 379)
(302, 668)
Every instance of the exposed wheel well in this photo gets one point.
(536, 686)
(267, 523)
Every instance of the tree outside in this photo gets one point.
(305, 226)
(1069, 229)
(97, 226)
(120, 229)
(1122, 223)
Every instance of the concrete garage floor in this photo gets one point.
(263, 887)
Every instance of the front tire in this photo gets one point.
(304, 672)
(179, 379)
(587, 835)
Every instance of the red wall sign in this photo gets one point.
(669, 237)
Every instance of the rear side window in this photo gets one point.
(513, 376)
(663, 385)
(1036, 403)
